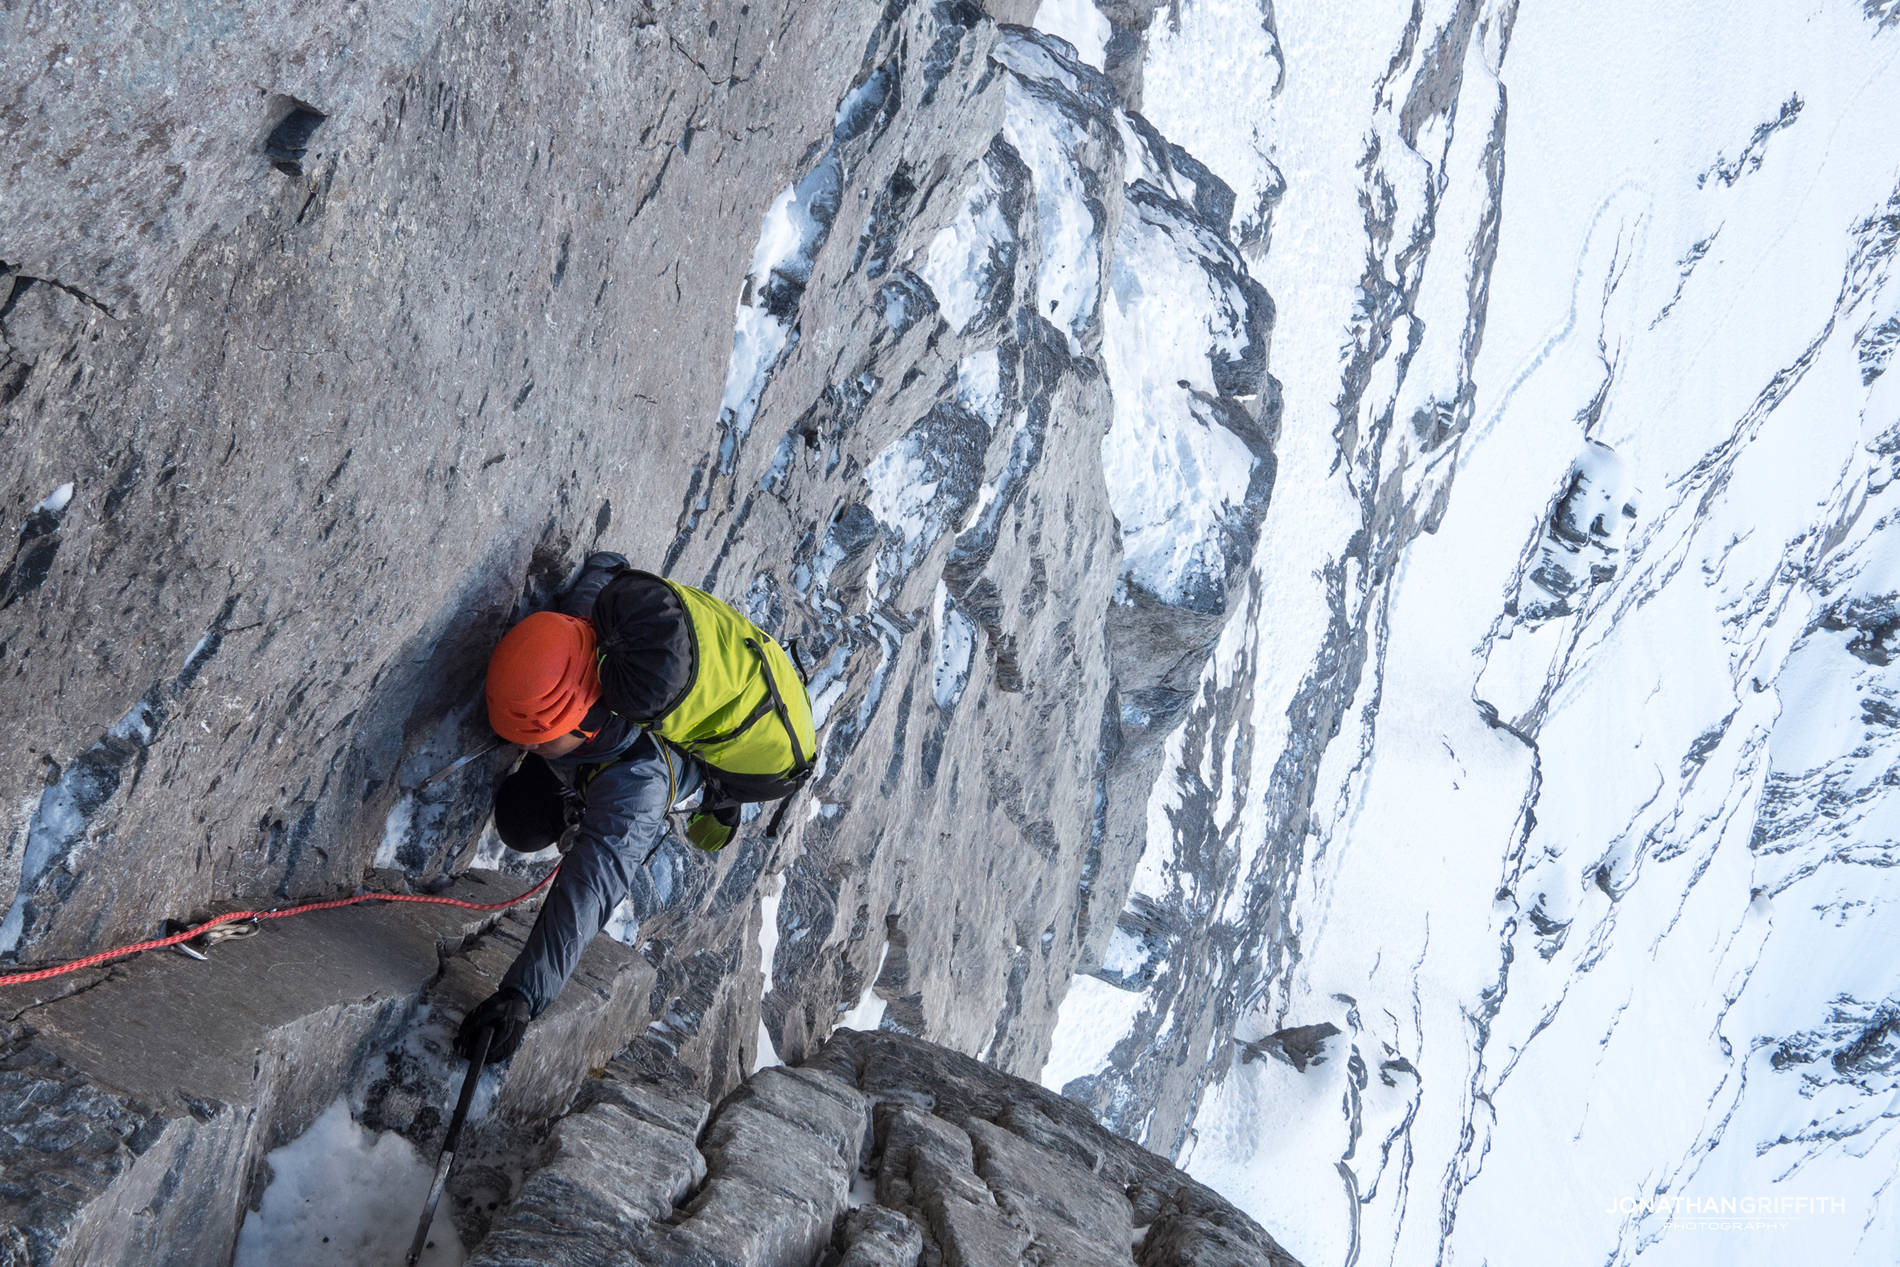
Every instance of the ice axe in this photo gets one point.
(458, 763)
(454, 1137)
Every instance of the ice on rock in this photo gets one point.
(956, 644)
(868, 1012)
(341, 1195)
(796, 226)
(55, 502)
(1181, 461)
(901, 491)
(860, 107)
(907, 300)
(972, 259)
(1131, 958)
(795, 229)
(58, 826)
(397, 826)
(980, 386)
(921, 485)
(767, 1053)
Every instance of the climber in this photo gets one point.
(632, 697)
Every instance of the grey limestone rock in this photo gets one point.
(1297, 1045)
(1071, 1216)
(610, 1168)
(330, 343)
(762, 1187)
(140, 1101)
(325, 427)
(323, 430)
(878, 1237)
(928, 1166)
(972, 1167)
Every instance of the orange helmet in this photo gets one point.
(542, 679)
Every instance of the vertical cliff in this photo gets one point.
(335, 338)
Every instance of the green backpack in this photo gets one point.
(698, 674)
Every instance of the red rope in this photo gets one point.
(284, 912)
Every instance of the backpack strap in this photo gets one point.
(800, 762)
(778, 815)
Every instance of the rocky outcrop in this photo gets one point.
(146, 1141)
(137, 1101)
(881, 1150)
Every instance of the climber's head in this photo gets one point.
(542, 681)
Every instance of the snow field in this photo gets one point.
(1584, 1068)
(1580, 1119)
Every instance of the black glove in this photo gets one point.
(506, 1014)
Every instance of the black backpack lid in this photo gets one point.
(648, 660)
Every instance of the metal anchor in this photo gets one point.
(197, 946)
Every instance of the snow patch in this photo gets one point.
(341, 1195)
(768, 928)
(396, 827)
(1081, 25)
(795, 227)
(980, 386)
(956, 644)
(55, 502)
(967, 258)
(1093, 1018)
(868, 1013)
(1177, 477)
(901, 490)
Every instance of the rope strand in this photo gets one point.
(284, 912)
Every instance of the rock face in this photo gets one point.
(881, 1150)
(333, 340)
(450, 300)
(358, 356)
(322, 426)
(139, 1100)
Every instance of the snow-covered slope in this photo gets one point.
(1539, 852)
